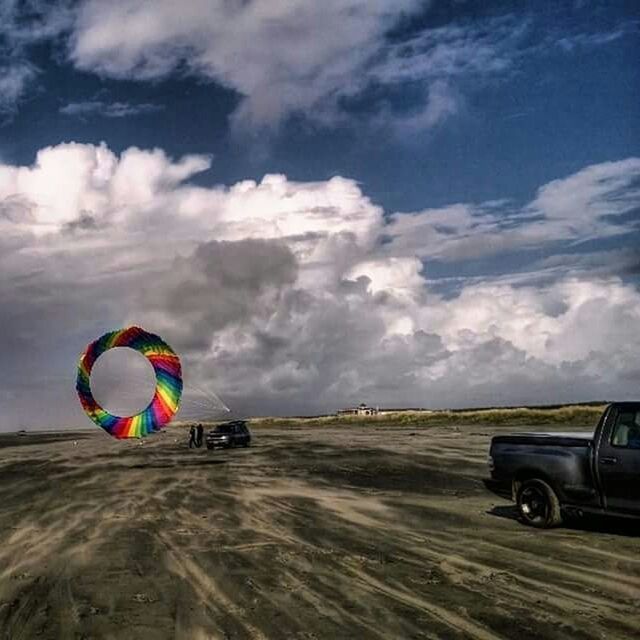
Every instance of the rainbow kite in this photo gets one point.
(166, 399)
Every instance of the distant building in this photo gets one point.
(360, 410)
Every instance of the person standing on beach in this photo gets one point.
(199, 433)
(192, 437)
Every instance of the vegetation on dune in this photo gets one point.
(573, 415)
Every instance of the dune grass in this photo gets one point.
(573, 415)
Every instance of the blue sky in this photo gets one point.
(491, 144)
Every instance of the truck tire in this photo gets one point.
(538, 504)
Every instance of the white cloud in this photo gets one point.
(282, 56)
(281, 297)
(400, 275)
(15, 79)
(22, 25)
(580, 202)
(291, 57)
(454, 50)
(588, 204)
(71, 179)
(108, 109)
(297, 57)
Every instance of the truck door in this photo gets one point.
(618, 460)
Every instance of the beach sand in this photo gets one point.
(311, 533)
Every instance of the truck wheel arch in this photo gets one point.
(531, 474)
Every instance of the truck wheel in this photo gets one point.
(538, 504)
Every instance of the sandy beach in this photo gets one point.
(376, 531)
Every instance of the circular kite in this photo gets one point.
(166, 399)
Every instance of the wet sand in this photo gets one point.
(312, 533)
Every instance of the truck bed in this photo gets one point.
(562, 459)
(565, 439)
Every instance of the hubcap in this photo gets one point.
(534, 503)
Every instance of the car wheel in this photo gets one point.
(538, 504)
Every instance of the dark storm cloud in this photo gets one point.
(36, 314)
(84, 222)
(631, 268)
(333, 351)
(218, 284)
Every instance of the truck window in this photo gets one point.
(626, 431)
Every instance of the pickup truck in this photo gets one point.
(553, 475)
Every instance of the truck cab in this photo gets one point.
(617, 459)
(549, 475)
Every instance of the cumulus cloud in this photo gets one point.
(70, 180)
(302, 297)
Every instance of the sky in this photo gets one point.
(406, 203)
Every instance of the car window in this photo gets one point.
(224, 428)
(626, 431)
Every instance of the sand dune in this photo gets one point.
(362, 532)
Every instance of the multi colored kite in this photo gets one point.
(166, 398)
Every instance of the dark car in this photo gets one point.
(551, 474)
(229, 434)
